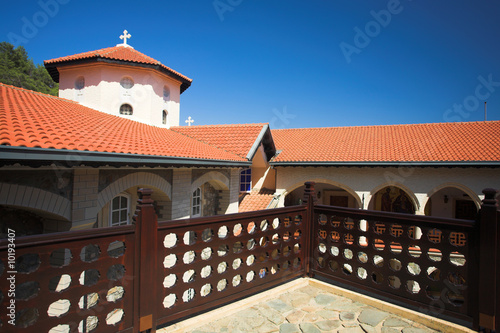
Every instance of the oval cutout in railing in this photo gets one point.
(276, 223)
(27, 317)
(170, 240)
(60, 258)
(58, 308)
(395, 265)
(205, 290)
(275, 254)
(250, 276)
(189, 238)
(189, 276)
(206, 271)
(413, 268)
(222, 233)
(456, 279)
(412, 287)
(414, 251)
(377, 277)
(263, 225)
(88, 301)
(378, 261)
(222, 267)
(263, 272)
(362, 273)
(434, 273)
(236, 263)
(457, 259)
(188, 295)
(275, 268)
(169, 280)
(237, 230)
(26, 290)
(223, 250)
(250, 260)
(27, 263)
(60, 283)
(206, 253)
(275, 239)
(169, 301)
(114, 294)
(221, 285)
(251, 227)
(88, 324)
(116, 249)
(347, 269)
(251, 244)
(170, 261)
(116, 272)
(90, 253)
(207, 235)
(114, 317)
(362, 257)
(458, 239)
(89, 277)
(188, 257)
(394, 282)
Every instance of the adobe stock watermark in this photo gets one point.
(372, 29)
(223, 6)
(11, 276)
(280, 119)
(31, 25)
(471, 103)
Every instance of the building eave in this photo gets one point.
(491, 164)
(53, 70)
(41, 156)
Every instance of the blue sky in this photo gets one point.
(296, 63)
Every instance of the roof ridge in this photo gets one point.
(389, 125)
(38, 93)
(222, 125)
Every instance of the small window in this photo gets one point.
(164, 119)
(127, 83)
(119, 210)
(126, 109)
(246, 180)
(196, 202)
(80, 83)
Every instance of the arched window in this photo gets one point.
(119, 210)
(164, 119)
(196, 205)
(246, 180)
(166, 94)
(79, 83)
(126, 109)
(127, 82)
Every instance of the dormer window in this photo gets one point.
(79, 83)
(127, 83)
(166, 94)
(126, 110)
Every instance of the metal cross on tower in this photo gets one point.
(125, 36)
(189, 121)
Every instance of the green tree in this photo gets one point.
(18, 70)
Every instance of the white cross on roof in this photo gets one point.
(189, 121)
(124, 37)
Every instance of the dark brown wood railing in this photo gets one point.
(136, 278)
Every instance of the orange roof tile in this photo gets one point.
(36, 120)
(237, 139)
(120, 53)
(256, 200)
(438, 142)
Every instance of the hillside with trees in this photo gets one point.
(18, 70)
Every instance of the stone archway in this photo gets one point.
(393, 198)
(214, 194)
(328, 193)
(452, 200)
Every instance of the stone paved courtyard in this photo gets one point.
(312, 310)
(310, 306)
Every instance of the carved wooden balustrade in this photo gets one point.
(135, 278)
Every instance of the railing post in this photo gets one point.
(145, 296)
(488, 265)
(309, 199)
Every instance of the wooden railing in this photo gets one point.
(135, 278)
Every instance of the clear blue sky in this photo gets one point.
(292, 63)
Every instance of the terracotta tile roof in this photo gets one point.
(449, 142)
(31, 119)
(121, 53)
(237, 139)
(256, 200)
